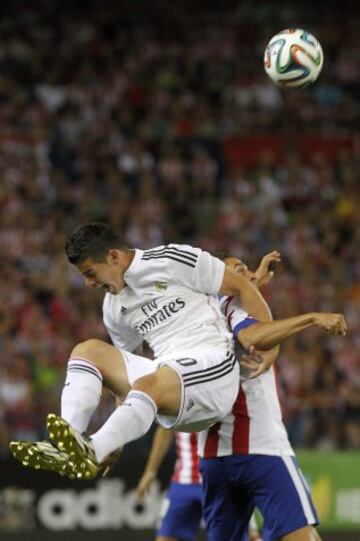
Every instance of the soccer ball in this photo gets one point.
(293, 58)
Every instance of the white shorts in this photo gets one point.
(209, 385)
(137, 366)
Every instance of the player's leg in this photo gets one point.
(190, 393)
(159, 390)
(180, 514)
(281, 494)
(95, 363)
(308, 533)
(226, 509)
(92, 364)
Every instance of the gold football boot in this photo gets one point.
(78, 447)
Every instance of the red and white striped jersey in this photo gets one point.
(187, 462)
(255, 425)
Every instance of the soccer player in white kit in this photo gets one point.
(167, 296)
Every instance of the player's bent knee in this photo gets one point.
(95, 351)
(89, 349)
(149, 385)
(145, 384)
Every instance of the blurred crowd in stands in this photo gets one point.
(159, 120)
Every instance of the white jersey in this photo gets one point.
(170, 301)
(186, 469)
(255, 425)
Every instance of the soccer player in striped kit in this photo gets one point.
(247, 459)
(181, 510)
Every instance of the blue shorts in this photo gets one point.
(181, 512)
(234, 485)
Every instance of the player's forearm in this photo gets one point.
(265, 336)
(160, 446)
(254, 303)
(248, 295)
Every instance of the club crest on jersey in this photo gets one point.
(161, 286)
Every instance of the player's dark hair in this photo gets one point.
(92, 241)
(222, 255)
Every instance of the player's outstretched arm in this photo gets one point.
(160, 446)
(264, 336)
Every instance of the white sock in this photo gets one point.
(129, 422)
(81, 393)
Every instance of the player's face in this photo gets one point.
(108, 274)
(239, 266)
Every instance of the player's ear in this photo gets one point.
(113, 257)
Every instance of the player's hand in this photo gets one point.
(108, 464)
(144, 484)
(257, 362)
(331, 323)
(263, 274)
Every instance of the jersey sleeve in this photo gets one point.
(195, 268)
(236, 317)
(126, 338)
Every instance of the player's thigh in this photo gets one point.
(118, 368)
(279, 491)
(226, 508)
(308, 533)
(180, 513)
(165, 388)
